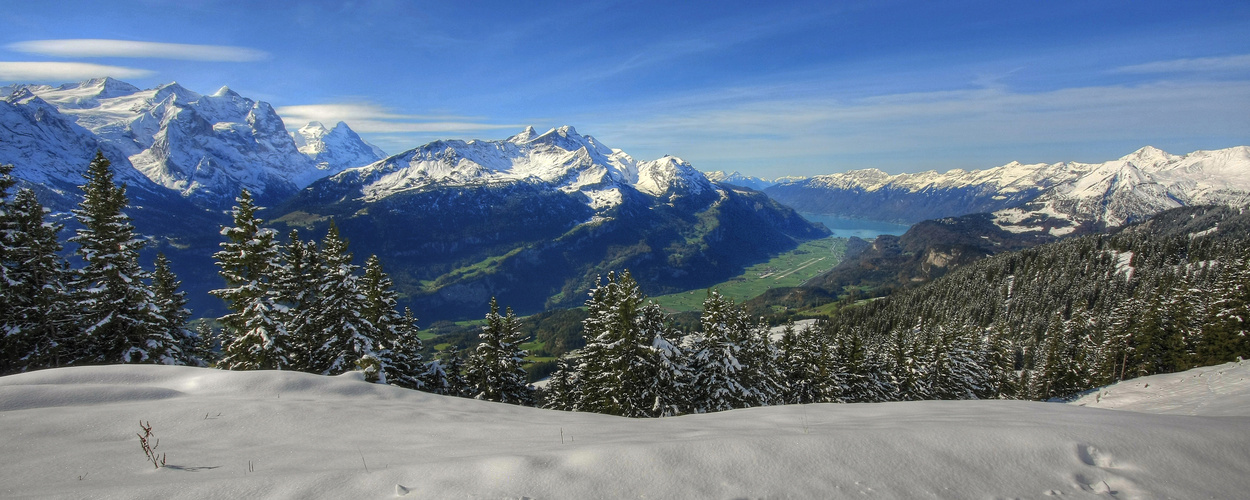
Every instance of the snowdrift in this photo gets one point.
(71, 433)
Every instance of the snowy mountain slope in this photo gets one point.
(1133, 188)
(1209, 391)
(560, 158)
(205, 147)
(50, 152)
(1108, 194)
(71, 434)
(335, 149)
(738, 179)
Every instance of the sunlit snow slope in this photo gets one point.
(71, 433)
(1221, 390)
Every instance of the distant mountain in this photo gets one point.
(1132, 189)
(1081, 199)
(335, 149)
(738, 179)
(1101, 194)
(205, 148)
(533, 219)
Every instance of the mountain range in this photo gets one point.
(168, 140)
(533, 219)
(1057, 197)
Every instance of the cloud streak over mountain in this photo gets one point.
(128, 48)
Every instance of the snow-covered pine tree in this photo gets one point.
(295, 284)
(36, 324)
(171, 306)
(1228, 335)
(862, 374)
(445, 375)
(254, 335)
(669, 377)
(494, 369)
(399, 347)
(759, 357)
(619, 371)
(562, 391)
(207, 341)
(346, 336)
(717, 370)
(6, 183)
(119, 320)
(959, 370)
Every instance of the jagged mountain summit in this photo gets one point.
(50, 151)
(1105, 194)
(560, 159)
(535, 219)
(205, 147)
(335, 149)
(1132, 189)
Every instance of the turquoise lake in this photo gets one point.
(846, 228)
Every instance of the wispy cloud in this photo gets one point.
(63, 71)
(365, 117)
(1195, 65)
(817, 134)
(128, 48)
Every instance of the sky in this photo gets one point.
(765, 88)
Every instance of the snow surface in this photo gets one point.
(71, 433)
(1212, 391)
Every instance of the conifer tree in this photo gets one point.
(344, 335)
(716, 366)
(119, 318)
(296, 287)
(171, 307)
(627, 367)
(562, 388)
(6, 182)
(399, 348)
(254, 335)
(494, 369)
(446, 375)
(37, 325)
(667, 371)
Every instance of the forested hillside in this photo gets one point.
(1161, 296)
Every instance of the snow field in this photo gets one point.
(70, 433)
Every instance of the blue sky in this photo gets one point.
(766, 88)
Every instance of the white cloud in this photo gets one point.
(369, 118)
(1196, 65)
(910, 131)
(63, 71)
(127, 48)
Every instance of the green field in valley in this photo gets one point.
(792, 268)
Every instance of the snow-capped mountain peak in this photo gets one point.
(205, 147)
(1132, 188)
(561, 158)
(225, 91)
(525, 136)
(1149, 155)
(335, 149)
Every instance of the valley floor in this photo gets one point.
(71, 433)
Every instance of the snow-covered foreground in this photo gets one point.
(1221, 390)
(72, 433)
